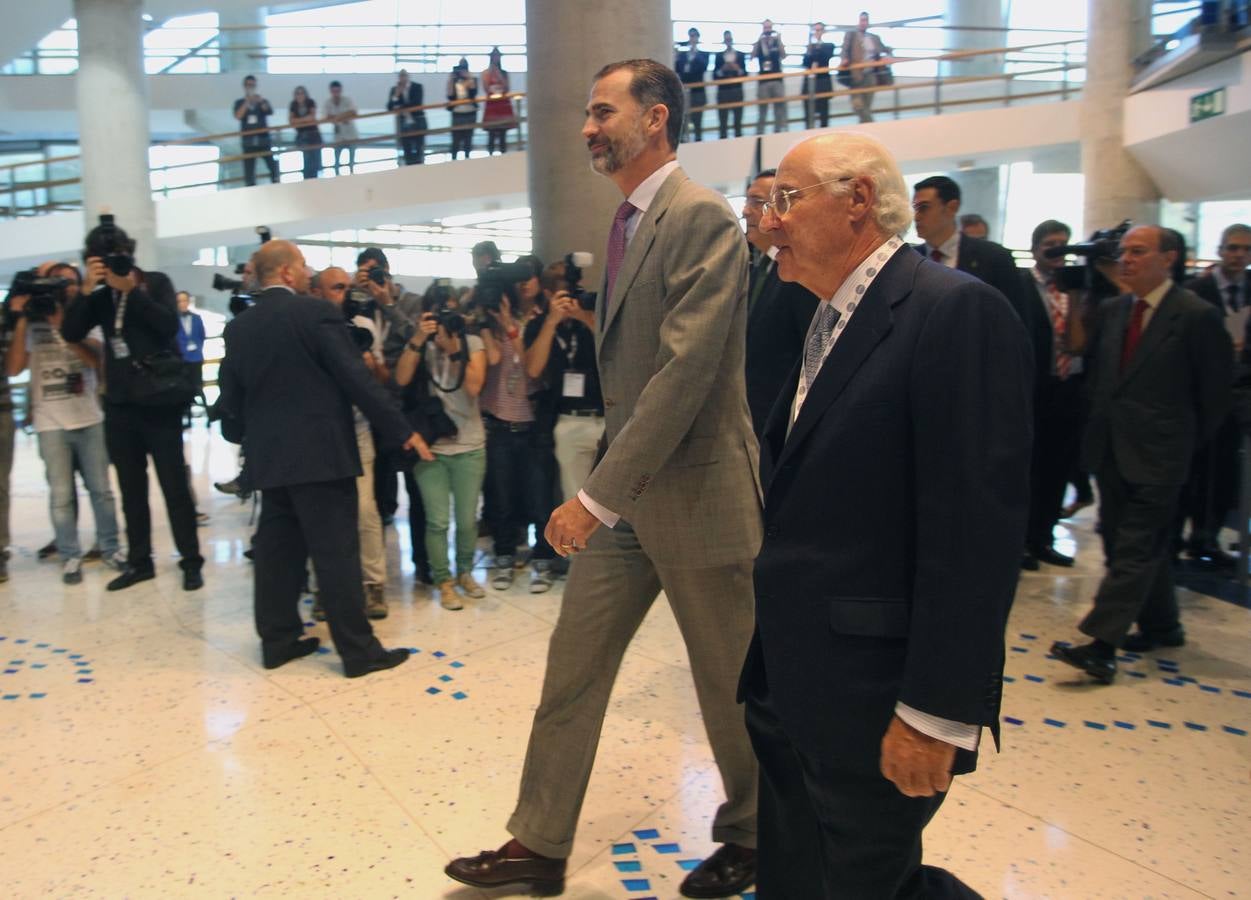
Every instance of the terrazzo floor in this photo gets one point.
(144, 751)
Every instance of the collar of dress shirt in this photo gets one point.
(848, 295)
(1155, 296)
(646, 192)
(1223, 281)
(949, 248)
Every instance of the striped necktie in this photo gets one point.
(814, 352)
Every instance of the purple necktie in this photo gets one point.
(616, 246)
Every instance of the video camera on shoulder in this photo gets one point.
(240, 296)
(46, 294)
(575, 262)
(1103, 245)
(495, 280)
(112, 245)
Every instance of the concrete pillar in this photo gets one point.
(1116, 186)
(979, 193)
(245, 30)
(966, 21)
(113, 118)
(572, 207)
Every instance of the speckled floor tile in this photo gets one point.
(154, 756)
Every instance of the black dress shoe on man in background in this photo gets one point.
(192, 580)
(1053, 557)
(1097, 659)
(273, 657)
(131, 575)
(1141, 642)
(1029, 562)
(389, 660)
(512, 864)
(727, 873)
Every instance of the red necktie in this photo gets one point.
(937, 255)
(1133, 334)
(1059, 325)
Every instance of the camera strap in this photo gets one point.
(121, 350)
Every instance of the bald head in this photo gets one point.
(281, 263)
(333, 284)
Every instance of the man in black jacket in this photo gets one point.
(138, 315)
(935, 205)
(691, 65)
(1159, 379)
(778, 312)
(292, 375)
(878, 653)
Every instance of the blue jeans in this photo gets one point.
(59, 450)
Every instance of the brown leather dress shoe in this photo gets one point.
(727, 873)
(492, 868)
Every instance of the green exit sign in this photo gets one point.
(1207, 105)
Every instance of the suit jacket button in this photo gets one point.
(772, 531)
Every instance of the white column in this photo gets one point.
(113, 123)
(1116, 186)
(966, 21)
(568, 41)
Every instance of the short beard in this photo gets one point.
(620, 153)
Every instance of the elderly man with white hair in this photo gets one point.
(895, 468)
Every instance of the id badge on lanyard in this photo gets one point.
(121, 350)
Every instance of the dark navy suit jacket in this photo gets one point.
(894, 517)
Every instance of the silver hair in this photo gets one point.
(849, 153)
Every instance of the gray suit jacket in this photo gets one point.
(681, 462)
(1171, 397)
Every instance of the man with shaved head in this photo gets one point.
(878, 653)
(1160, 378)
(292, 376)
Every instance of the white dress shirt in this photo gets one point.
(950, 249)
(641, 198)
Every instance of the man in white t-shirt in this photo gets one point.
(68, 420)
(342, 111)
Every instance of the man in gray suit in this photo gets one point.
(1159, 370)
(676, 488)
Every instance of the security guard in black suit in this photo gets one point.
(291, 374)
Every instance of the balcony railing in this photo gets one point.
(1053, 70)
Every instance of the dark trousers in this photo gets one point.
(386, 492)
(1057, 446)
(462, 135)
(132, 434)
(317, 522)
(497, 139)
(1212, 490)
(819, 109)
(413, 146)
(827, 832)
(724, 115)
(698, 98)
(519, 483)
(1137, 528)
(312, 162)
(249, 165)
(417, 525)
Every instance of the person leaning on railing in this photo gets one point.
(769, 51)
(253, 112)
(498, 116)
(410, 124)
(341, 110)
(462, 93)
(302, 116)
(729, 63)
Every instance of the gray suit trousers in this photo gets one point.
(612, 585)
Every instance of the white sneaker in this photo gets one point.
(72, 570)
(115, 560)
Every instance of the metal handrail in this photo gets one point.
(1040, 67)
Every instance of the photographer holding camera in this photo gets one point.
(147, 387)
(333, 285)
(520, 461)
(560, 352)
(446, 367)
(65, 408)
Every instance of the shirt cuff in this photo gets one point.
(605, 515)
(958, 734)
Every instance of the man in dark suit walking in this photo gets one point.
(292, 375)
(778, 312)
(878, 652)
(1159, 379)
(935, 205)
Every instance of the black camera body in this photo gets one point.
(574, 264)
(112, 245)
(46, 294)
(359, 303)
(1103, 245)
(439, 303)
(240, 299)
(377, 275)
(495, 280)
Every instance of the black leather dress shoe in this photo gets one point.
(491, 868)
(192, 580)
(1029, 562)
(1086, 658)
(1053, 557)
(1138, 642)
(727, 873)
(273, 658)
(389, 660)
(130, 575)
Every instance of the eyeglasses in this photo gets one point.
(753, 203)
(779, 202)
